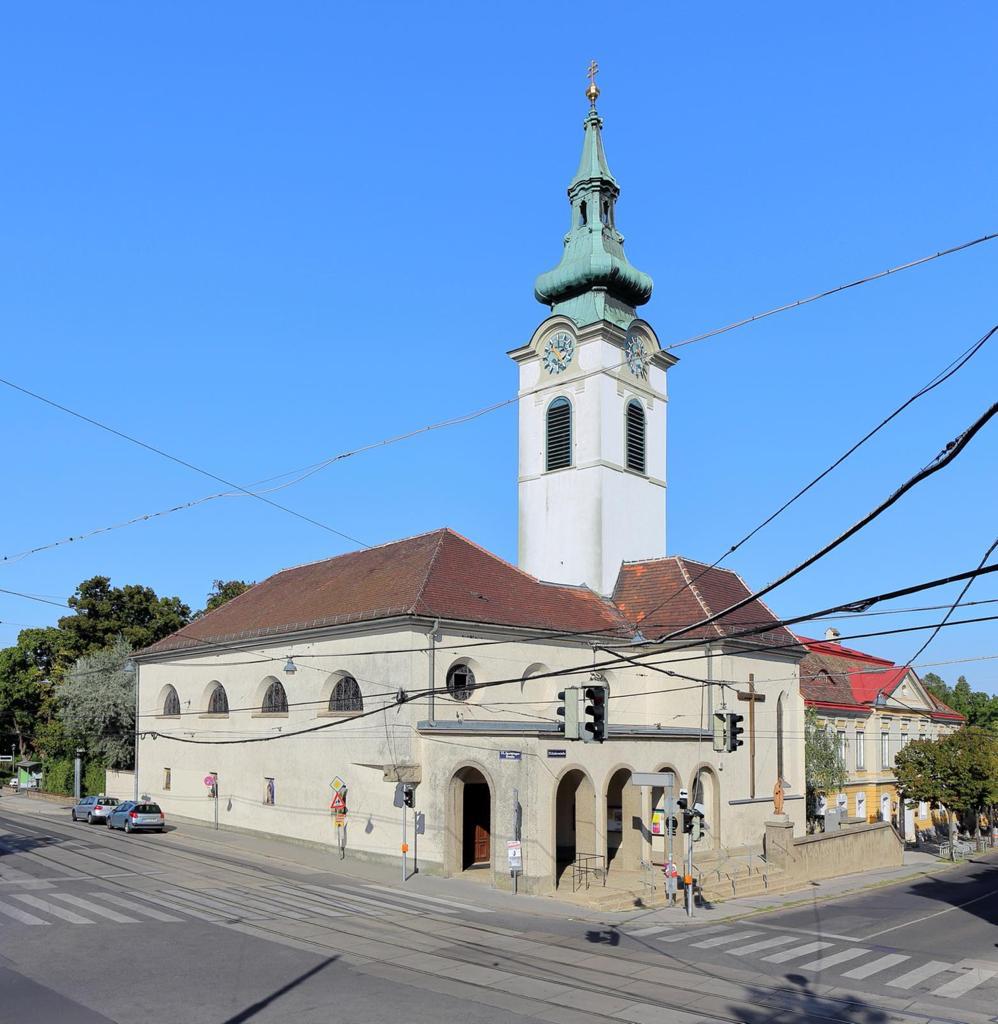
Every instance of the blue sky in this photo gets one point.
(259, 236)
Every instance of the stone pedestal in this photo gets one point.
(780, 840)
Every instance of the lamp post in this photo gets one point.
(77, 774)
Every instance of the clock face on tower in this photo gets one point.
(558, 352)
(636, 356)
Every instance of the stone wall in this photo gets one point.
(852, 849)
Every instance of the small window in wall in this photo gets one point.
(559, 434)
(218, 702)
(583, 213)
(171, 703)
(346, 696)
(269, 792)
(860, 749)
(860, 805)
(167, 780)
(635, 436)
(460, 682)
(275, 700)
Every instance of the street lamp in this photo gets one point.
(76, 774)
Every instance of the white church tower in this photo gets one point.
(592, 399)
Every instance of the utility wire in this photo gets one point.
(943, 459)
(180, 462)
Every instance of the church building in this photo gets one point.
(429, 671)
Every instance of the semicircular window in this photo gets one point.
(460, 682)
(171, 702)
(275, 700)
(346, 696)
(218, 702)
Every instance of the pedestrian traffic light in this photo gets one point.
(595, 728)
(735, 731)
(409, 796)
(568, 713)
(696, 830)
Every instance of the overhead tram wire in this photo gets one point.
(179, 461)
(308, 471)
(943, 459)
(575, 670)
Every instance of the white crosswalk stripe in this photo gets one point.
(653, 930)
(51, 908)
(959, 986)
(350, 897)
(423, 898)
(312, 906)
(254, 900)
(831, 959)
(912, 978)
(682, 935)
(876, 966)
(20, 915)
(794, 954)
(722, 940)
(754, 947)
(138, 908)
(93, 907)
(162, 900)
(328, 900)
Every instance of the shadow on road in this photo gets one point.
(254, 1008)
(796, 1002)
(975, 894)
(25, 844)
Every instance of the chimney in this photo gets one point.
(832, 635)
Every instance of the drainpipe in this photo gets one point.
(433, 671)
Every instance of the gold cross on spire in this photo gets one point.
(592, 90)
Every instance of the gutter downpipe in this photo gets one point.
(431, 704)
(135, 759)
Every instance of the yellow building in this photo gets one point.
(875, 708)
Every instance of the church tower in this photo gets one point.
(592, 398)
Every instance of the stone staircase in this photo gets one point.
(720, 876)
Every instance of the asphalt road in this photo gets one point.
(97, 926)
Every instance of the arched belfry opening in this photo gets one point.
(574, 819)
(471, 808)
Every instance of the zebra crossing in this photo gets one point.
(827, 955)
(223, 904)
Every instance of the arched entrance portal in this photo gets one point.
(473, 817)
(623, 823)
(574, 819)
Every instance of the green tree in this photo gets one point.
(97, 704)
(825, 773)
(25, 688)
(221, 592)
(959, 771)
(102, 613)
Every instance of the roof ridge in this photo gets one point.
(692, 587)
(356, 551)
(429, 569)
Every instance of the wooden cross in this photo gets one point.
(753, 698)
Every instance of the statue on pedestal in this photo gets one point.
(778, 797)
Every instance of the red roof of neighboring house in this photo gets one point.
(866, 685)
(444, 575)
(664, 594)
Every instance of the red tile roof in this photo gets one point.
(435, 575)
(664, 594)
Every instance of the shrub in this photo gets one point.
(93, 778)
(57, 776)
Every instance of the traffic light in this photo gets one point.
(569, 713)
(596, 726)
(696, 830)
(409, 796)
(720, 731)
(735, 730)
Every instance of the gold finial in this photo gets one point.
(592, 90)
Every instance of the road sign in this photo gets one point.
(664, 779)
(340, 818)
(337, 784)
(510, 755)
(514, 851)
(209, 781)
(339, 804)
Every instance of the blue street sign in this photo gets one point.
(510, 755)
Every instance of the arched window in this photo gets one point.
(218, 702)
(346, 696)
(171, 702)
(460, 681)
(779, 740)
(583, 213)
(559, 434)
(275, 700)
(635, 436)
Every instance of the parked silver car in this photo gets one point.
(137, 817)
(94, 808)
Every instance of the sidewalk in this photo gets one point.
(311, 861)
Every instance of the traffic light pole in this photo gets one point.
(405, 845)
(688, 888)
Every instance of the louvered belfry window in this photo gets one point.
(559, 434)
(635, 436)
